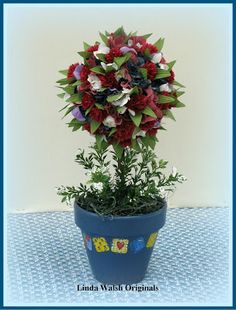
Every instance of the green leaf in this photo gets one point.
(63, 108)
(159, 44)
(121, 60)
(136, 119)
(165, 99)
(134, 91)
(94, 126)
(147, 53)
(88, 110)
(75, 98)
(119, 31)
(179, 93)
(143, 72)
(61, 95)
(177, 84)
(162, 74)
(149, 111)
(136, 130)
(179, 104)
(101, 57)
(99, 106)
(65, 81)
(103, 37)
(69, 89)
(77, 83)
(112, 131)
(146, 36)
(68, 111)
(169, 114)
(84, 54)
(135, 145)
(99, 139)
(75, 124)
(171, 64)
(64, 72)
(118, 150)
(149, 141)
(98, 70)
(86, 45)
(112, 98)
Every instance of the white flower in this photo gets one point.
(125, 96)
(139, 45)
(66, 96)
(141, 133)
(165, 87)
(109, 121)
(112, 65)
(102, 49)
(98, 186)
(94, 81)
(131, 112)
(130, 42)
(156, 58)
(174, 171)
(164, 66)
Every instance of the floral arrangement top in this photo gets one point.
(122, 90)
(120, 94)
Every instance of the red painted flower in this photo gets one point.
(87, 101)
(97, 115)
(71, 70)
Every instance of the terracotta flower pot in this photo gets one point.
(119, 247)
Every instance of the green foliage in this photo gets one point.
(138, 185)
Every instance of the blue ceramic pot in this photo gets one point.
(119, 247)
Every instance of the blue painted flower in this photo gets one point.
(77, 114)
(137, 245)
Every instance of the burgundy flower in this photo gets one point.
(87, 101)
(71, 70)
(97, 115)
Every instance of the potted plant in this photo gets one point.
(120, 94)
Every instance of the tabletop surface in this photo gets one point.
(190, 264)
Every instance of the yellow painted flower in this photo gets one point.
(120, 246)
(151, 240)
(101, 244)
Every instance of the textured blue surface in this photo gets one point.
(46, 260)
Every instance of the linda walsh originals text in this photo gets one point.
(127, 287)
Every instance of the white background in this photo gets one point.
(40, 149)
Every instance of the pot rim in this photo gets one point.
(119, 217)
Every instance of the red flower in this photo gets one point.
(84, 86)
(151, 70)
(137, 39)
(97, 115)
(116, 41)
(71, 70)
(171, 78)
(92, 48)
(84, 73)
(87, 101)
(138, 102)
(148, 125)
(126, 143)
(87, 127)
(108, 80)
(124, 131)
(152, 132)
(114, 52)
(152, 48)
